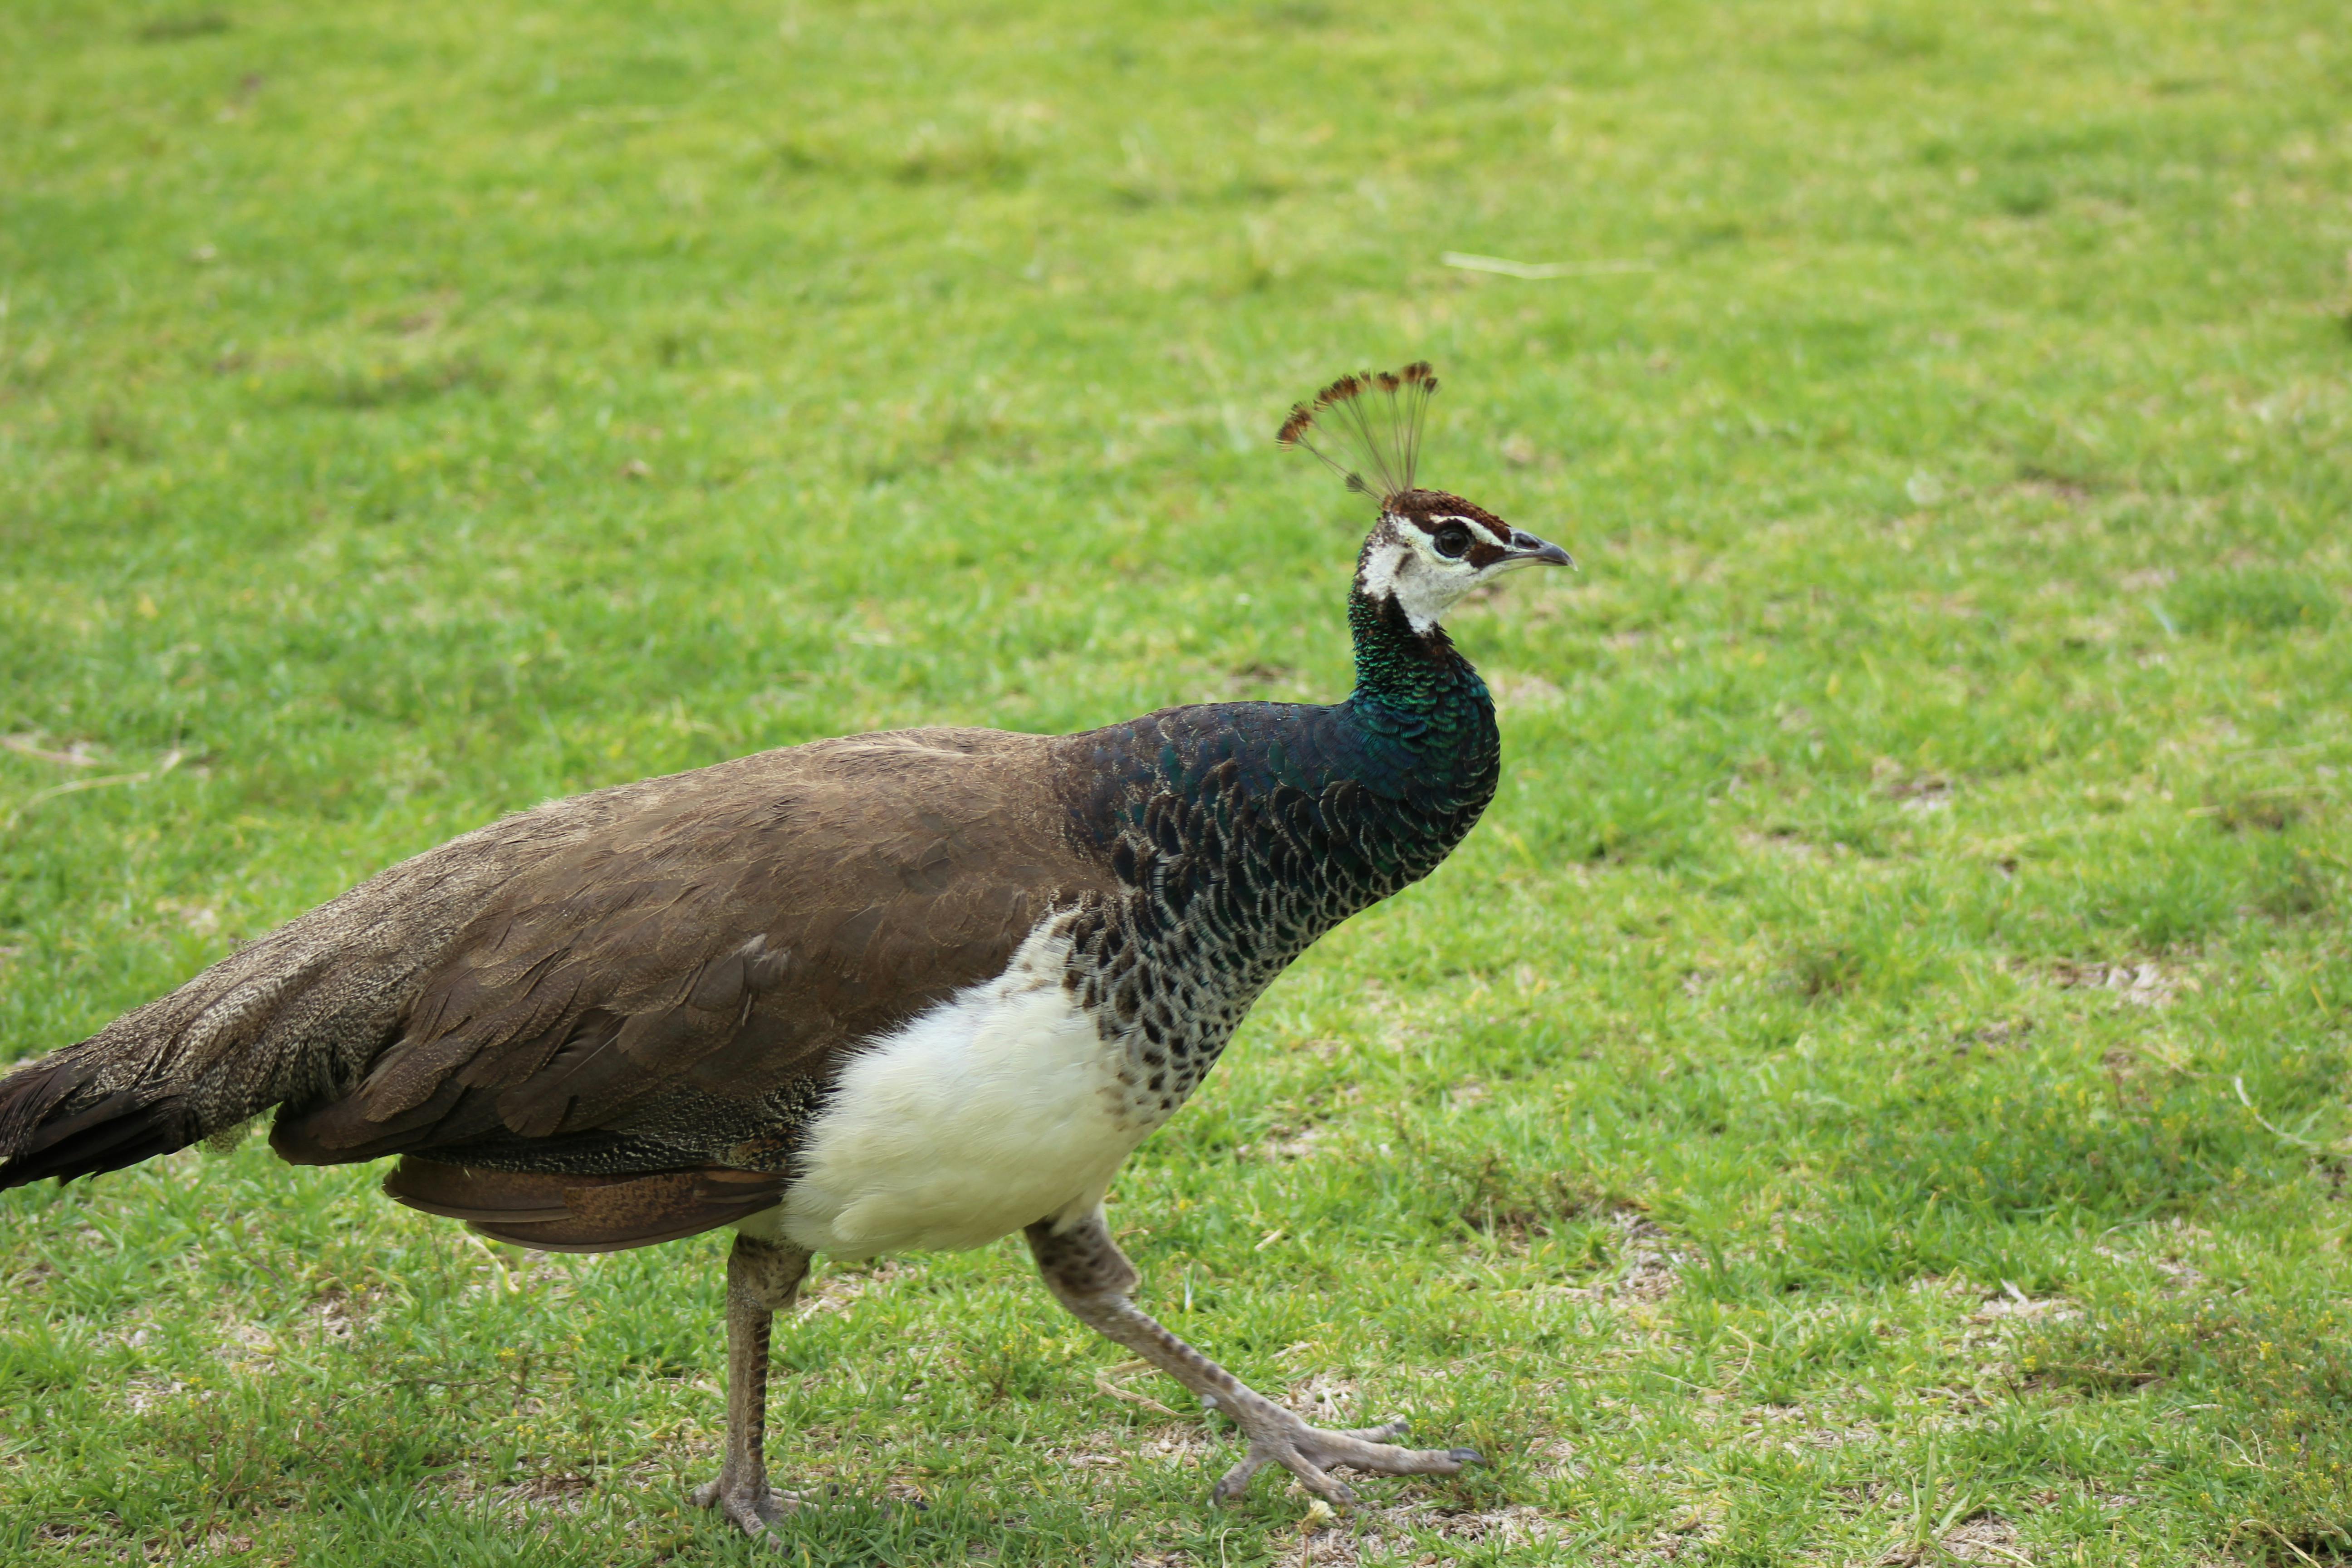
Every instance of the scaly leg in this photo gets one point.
(763, 1279)
(1089, 1274)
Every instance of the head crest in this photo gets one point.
(1383, 438)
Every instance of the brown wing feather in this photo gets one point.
(719, 943)
(557, 1213)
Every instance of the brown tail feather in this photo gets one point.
(289, 1017)
(43, 1134)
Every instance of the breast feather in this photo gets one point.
(997, 1107)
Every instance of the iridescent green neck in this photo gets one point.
(1405, 671)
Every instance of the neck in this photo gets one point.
(1403, 670)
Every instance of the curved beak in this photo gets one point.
(1529, 551)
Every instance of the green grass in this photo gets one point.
(1871, 1090)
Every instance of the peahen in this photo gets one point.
(909, 990)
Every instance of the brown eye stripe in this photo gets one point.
(1429, 511)
(1494, 525)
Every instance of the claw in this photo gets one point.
(1279, 1438)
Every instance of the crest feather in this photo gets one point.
(1382, 436)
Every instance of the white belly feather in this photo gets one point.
(998, 1108)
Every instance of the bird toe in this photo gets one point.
(1235, 1481)
(751, 1510)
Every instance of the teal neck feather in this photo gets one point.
(1413, 686)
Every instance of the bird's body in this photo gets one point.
(1243, 833)
(910, 990)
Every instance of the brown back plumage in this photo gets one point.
(640, 983)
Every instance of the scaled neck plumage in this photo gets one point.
(1416, 676)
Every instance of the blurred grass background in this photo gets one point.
(1870, 1091)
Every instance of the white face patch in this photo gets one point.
(1403, 564)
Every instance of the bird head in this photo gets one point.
(1429, 548)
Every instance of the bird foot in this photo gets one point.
(1279, 1438)
(752, 1508)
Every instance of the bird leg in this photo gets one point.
(1088, 1275)
(763, 1279)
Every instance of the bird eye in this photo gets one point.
(1451, 540)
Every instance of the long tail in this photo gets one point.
(49, 1129)
(200, 1061)
(289, 1017)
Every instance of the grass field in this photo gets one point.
(1870, 1091)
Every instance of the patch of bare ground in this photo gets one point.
(85, 1544)
(1652, 1269)
(1651, 1275)
(200, 917)
(1648, 1270)
(1515, 691)
(1789, 1424)
(1792, 843)
(1111, 1382)
(2000, 1035)
(1557, 1461)
(837, 1289)
(1325, 1400)
(1181, 1443)
(77, 754)
(2143, 985)
(1989, 1339)
(519, 1498)
(1283, 1142)
(1987, 1539)
(1084, 1459)
(900, 1492)
(2178, 1276)
(248, 1346)
(1695, 1526)
(1914, 790)
(2067, 489)
(141, 1394)
(1510, 1526)
(2011, 1304)
(1386, 1534)
(342, 1314)
(33, 1277)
